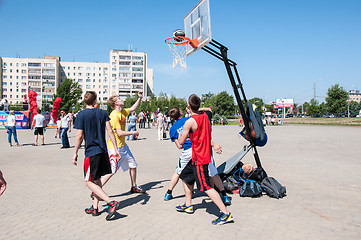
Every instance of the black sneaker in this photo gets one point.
(92, 211)
(137, 189)
(112, 207)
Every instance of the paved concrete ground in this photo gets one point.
(319, 165)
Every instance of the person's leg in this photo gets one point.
(36, 139)
(133, 176)
(159, 134)
(66, 139)
(173, 181)
(62, 137)
(9, 135)
(104, 179)
(214, 196)
(42, 138)
(15, 136)
(129, 127)
(133, 129)
(95, 187)
(188, 190)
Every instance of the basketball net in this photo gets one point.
(177, 46)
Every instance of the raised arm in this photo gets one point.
(137, 103)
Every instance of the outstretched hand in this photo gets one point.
(140, 94)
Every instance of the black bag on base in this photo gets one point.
(273, 188)
(164, 135)
(258, 174)
(250, 189)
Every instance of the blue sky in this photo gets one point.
(282, 48)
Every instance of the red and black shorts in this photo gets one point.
(196, 173)
(96, 166)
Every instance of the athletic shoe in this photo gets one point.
(92, 211)
(225, 200)
(168, 197)
(184, 208)
(137, 189)
(223, 218)
(111, 207)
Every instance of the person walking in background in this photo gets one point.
(65, 128)
(39, 124)
(147, 117)
(141, 119)
(160, 126)
(132, 124)
(12, 128)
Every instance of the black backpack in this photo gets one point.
(230, 184)
(250, 189)
(258, 174)
(273, 188)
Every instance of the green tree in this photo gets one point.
(223, 104)
(258, 102)
(306, 106)
(70, 93)
(336, 100)
(313, 109)
(269, 107)
(355, 108)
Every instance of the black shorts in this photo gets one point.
(196, 173)
(96, 166)
(39, 131)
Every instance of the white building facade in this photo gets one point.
(125, 74)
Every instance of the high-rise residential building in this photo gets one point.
(125, 74)
(19, 75)
(89, 76)
(354, 95)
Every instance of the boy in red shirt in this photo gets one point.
(199, 130)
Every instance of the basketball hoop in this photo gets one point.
(177, 46)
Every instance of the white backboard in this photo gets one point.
(197, 25)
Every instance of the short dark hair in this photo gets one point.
(174, 113)
(90, 97)
(38, 111)
(194, 102)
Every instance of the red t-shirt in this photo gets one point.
(201, 140)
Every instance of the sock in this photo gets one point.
(169, 191)
(223, 193)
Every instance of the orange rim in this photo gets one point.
(192, 42)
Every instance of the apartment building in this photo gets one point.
(128, 73)
(125, 74)
(354, 95)
(19, 75)
(89, 76)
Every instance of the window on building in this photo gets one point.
(88, 80)
(80, 80)
(88, 68)
(87, 86)
(80, 68)
(23, 71)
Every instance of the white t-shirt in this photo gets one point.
(39, 120)
(58, 124)
(11, 121)
(65, 121)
